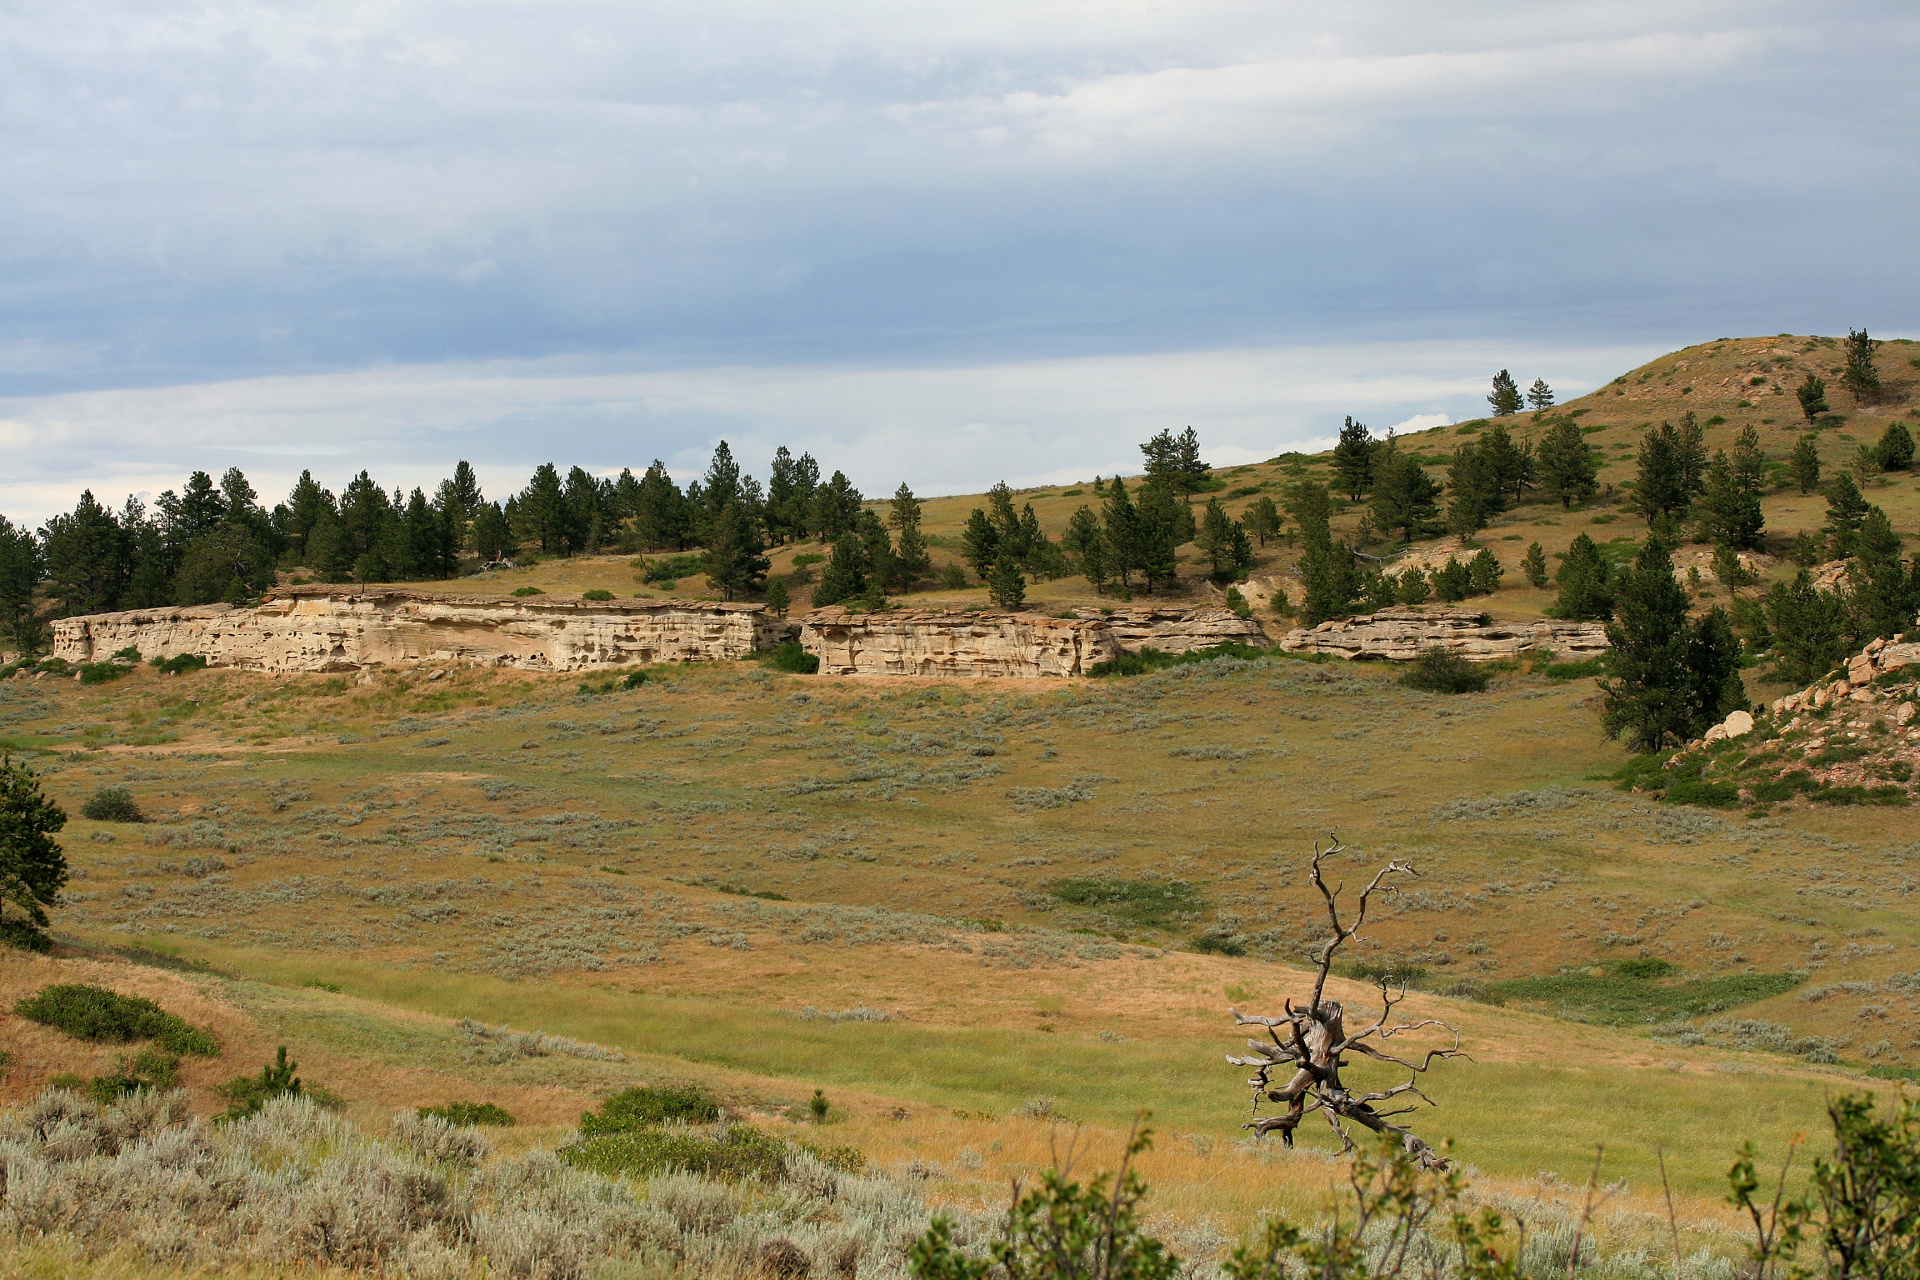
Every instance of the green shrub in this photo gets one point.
(247, 1094)
(1390, 969)
(131, 653)
(1148, 902)
(669, 571)
(598, 593)
(528, 591)
(789, 656)
(648, 1106)
(101, 672)
(112, 804)
(54, 666)
(151, 1068)
(1439, 670)
(21, 933)
(1218, 944)
(179, 663)
(470, 1113)
(1594, 666)
(1150, 659)
(738, 1152)
(95, 1013)
(1645, 967)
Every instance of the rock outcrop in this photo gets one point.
(1399, 634)
(329, 629)
(953, 644)
(1172, 630)
(1851, 740)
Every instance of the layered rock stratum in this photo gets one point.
(334, 630)
(1399, 634)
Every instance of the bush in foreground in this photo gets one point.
(95, 1013)
(112, 804)
(1439, 670)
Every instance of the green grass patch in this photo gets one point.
(95, 1013)
(1146, 902)
(1617, 997)
(1594, 666)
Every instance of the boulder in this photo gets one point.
(1738, 724)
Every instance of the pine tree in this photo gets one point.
(662, 519)
(1540, 395)
(1729, 507)
(1262, 519)
(1804, 462)
(1584, 582)
(1474, 495)
(1006, 586)
(1883, 593)
(779, 599)
(1327, 568)
(1484, 572)
(1809, 629)
(835, 507)
(1216, 541)
(1175, 461)
(464, 491)
(1692, 452)
(1661, 487)
(1505, 396)
(1805, 550)
(1846, 508)
(1534, 565)
(881, 563)
(1513, 465)
(979, 543)
(21, 568)
(734, 561)
(1413, 587)
(543, 510)
(903, 512)
(912, 562)
(1122, 520)
(1086, 542)
(1163, 517)
(1895, 450)
(33, 870)
(1569, 466)
(1667, 679)
(1452, 581)
(1861, 379)
(1242, 550)
(845, 577)
(1812, 393)
(84, 559)
(492, 539)
(1353, 459)
(1405, 497)
(781, 477)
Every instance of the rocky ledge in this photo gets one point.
(1399, 634)
(1008, 644)
(329, 629)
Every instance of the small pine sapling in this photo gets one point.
(1534, 565)
(1484, 572)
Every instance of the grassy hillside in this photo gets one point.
(940, 901)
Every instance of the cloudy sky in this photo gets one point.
(944, 242)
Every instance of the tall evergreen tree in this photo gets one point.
(1175, 461)
(307, 505)
(1513, 464)
(845, 576)
(806, 486)
(903, 511)
(1883, 592)
(1505, 396)
(1125, 554)
(1262, 519)
(1860, 378)
(980, 543)
(1086, 542)
(1729, 508)
(1846, 508)
(1405, 497)
(1667, 679)
(1691, 451)
(1216, 541)
(662, 518)
(781, 487)
(1353, 458)
(1540, 395)
(878, 548)
(734, 561)
(1474, 495)
(1661, 488)
(21, 568)
(836, 506)
(1804, 462)
(492, 537)
(1812, 394)
(1809, 629)
(1006, 586)
(544, 517)
(1569, 466)
(33, 870)
(84, 561)
(1327, 568)
(1585, 583)
(912, 562)
(463, 494)
(581, 520)
(1534, 565)
(1163, 517)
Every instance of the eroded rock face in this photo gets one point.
(1172, 630)
(953, 644)
(327, 629)
(1399, 634)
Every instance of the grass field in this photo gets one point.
(942, 901)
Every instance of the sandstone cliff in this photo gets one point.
(953, 644)
(1172, 630)
(329, 629)
(1399, 634)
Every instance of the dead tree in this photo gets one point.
(1314, 1045)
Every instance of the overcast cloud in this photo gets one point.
(943, 242)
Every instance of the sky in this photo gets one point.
(946, 243)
